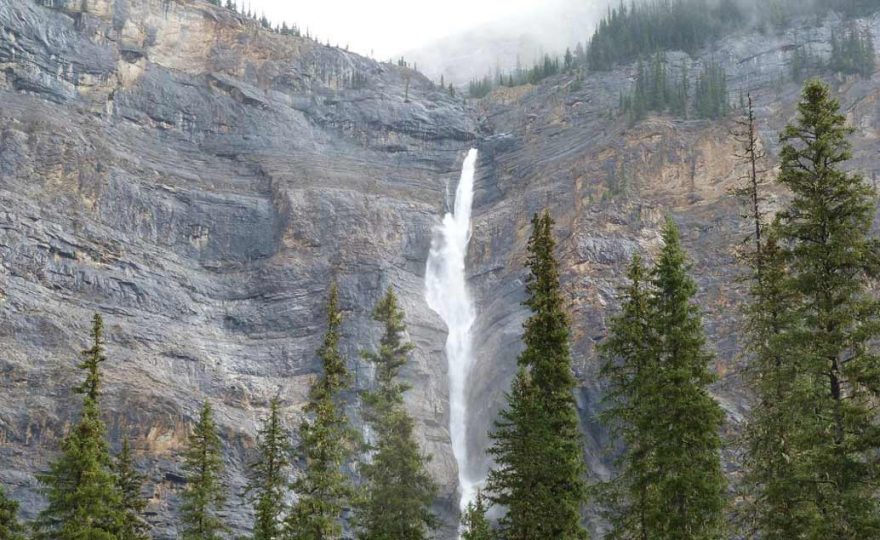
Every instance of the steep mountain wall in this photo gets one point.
(199, 181)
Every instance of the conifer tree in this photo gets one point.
(10, 527)
(631, 403)
(83, 501)
(205, 494)
(669, 483)
(399, 491)
(824, 234)
(769, 484)
(268, 483)
(328, 444)
(770, 479)
(751, 154)
(537, 447)
(711, 99)
(474, 524)
(129, 483)
(687, 477)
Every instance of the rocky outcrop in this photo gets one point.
(200, 181)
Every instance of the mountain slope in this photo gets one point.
(199, 181)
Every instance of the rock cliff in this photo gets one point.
(199, 181)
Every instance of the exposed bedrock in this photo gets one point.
(200, 181)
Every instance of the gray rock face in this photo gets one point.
(200, 181)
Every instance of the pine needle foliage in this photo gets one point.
(268, 483)
(474, 524)
(129, 483)
(324, 490)
(10, 527)
(824, 236)
(80, 486)
(399, 491)
(669, 483)
(536, 444)
(205, 493)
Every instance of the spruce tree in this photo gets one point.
(268, 482)
(824, 233)
(399, 491)
(769, 485)
(669, 483)
(205, 494)
(687, 479)
(631, 403)
(129, 483)
(537, 447)
(83, 500)
(10, 527)
(324, 490)
(474, 524)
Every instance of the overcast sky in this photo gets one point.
(388, 27)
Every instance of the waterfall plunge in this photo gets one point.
(446, 293)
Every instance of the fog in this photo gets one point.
(458, 38)
(382, 28)
(506, 41)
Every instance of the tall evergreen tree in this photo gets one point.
(205, 494)
(688, 478)
(631, 403)
(83, 501)
(129, 483)
(770, 479)
(769, 485)
(399, 491)
(474, 524)
(711, 99)
(10, 527)
(824, 234)
(751, 154)
(670, 484)
(268, 483)
(328, 444)
(537, 446)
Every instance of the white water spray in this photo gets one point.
(446, 293)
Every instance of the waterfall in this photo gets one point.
(447, 294)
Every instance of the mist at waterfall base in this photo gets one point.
(447, 294)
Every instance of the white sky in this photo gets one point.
(388, 27)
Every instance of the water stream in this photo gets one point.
(447, 294)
